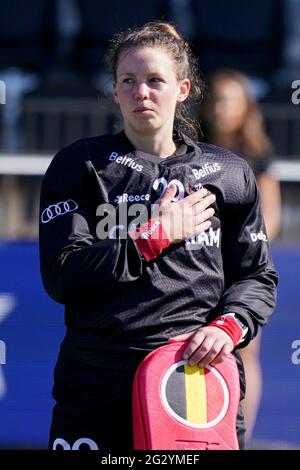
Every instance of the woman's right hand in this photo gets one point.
(187, 217)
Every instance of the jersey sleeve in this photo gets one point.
(250, 276)
(74, 263)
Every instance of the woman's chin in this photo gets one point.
(145, 127)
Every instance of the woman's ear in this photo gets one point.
(115, 93)
(184, 89)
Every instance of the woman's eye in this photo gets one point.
(155, 80)
(128, 80)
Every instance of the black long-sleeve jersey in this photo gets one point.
(110, 292)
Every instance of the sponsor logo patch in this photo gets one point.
(61, 208)
(126, 161)
(206, 169)
(260, 236)
(132, 198)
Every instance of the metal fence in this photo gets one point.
(49, 124)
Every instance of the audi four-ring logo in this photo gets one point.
(60, 208)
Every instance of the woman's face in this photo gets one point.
(229, 105)
(147, 89)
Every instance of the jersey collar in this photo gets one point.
(178, 137)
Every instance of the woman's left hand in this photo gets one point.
(207, 345)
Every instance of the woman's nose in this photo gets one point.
(141, 91)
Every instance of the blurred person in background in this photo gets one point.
(232, 119)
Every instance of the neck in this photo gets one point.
(161, 145)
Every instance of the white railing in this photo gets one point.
(24, 164)
(36, 164)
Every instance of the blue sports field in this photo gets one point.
(32, 326)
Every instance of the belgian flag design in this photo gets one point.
(194, 394)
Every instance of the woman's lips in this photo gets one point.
(142, 110)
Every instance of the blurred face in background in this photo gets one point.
(147, 89)
(230, 105)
